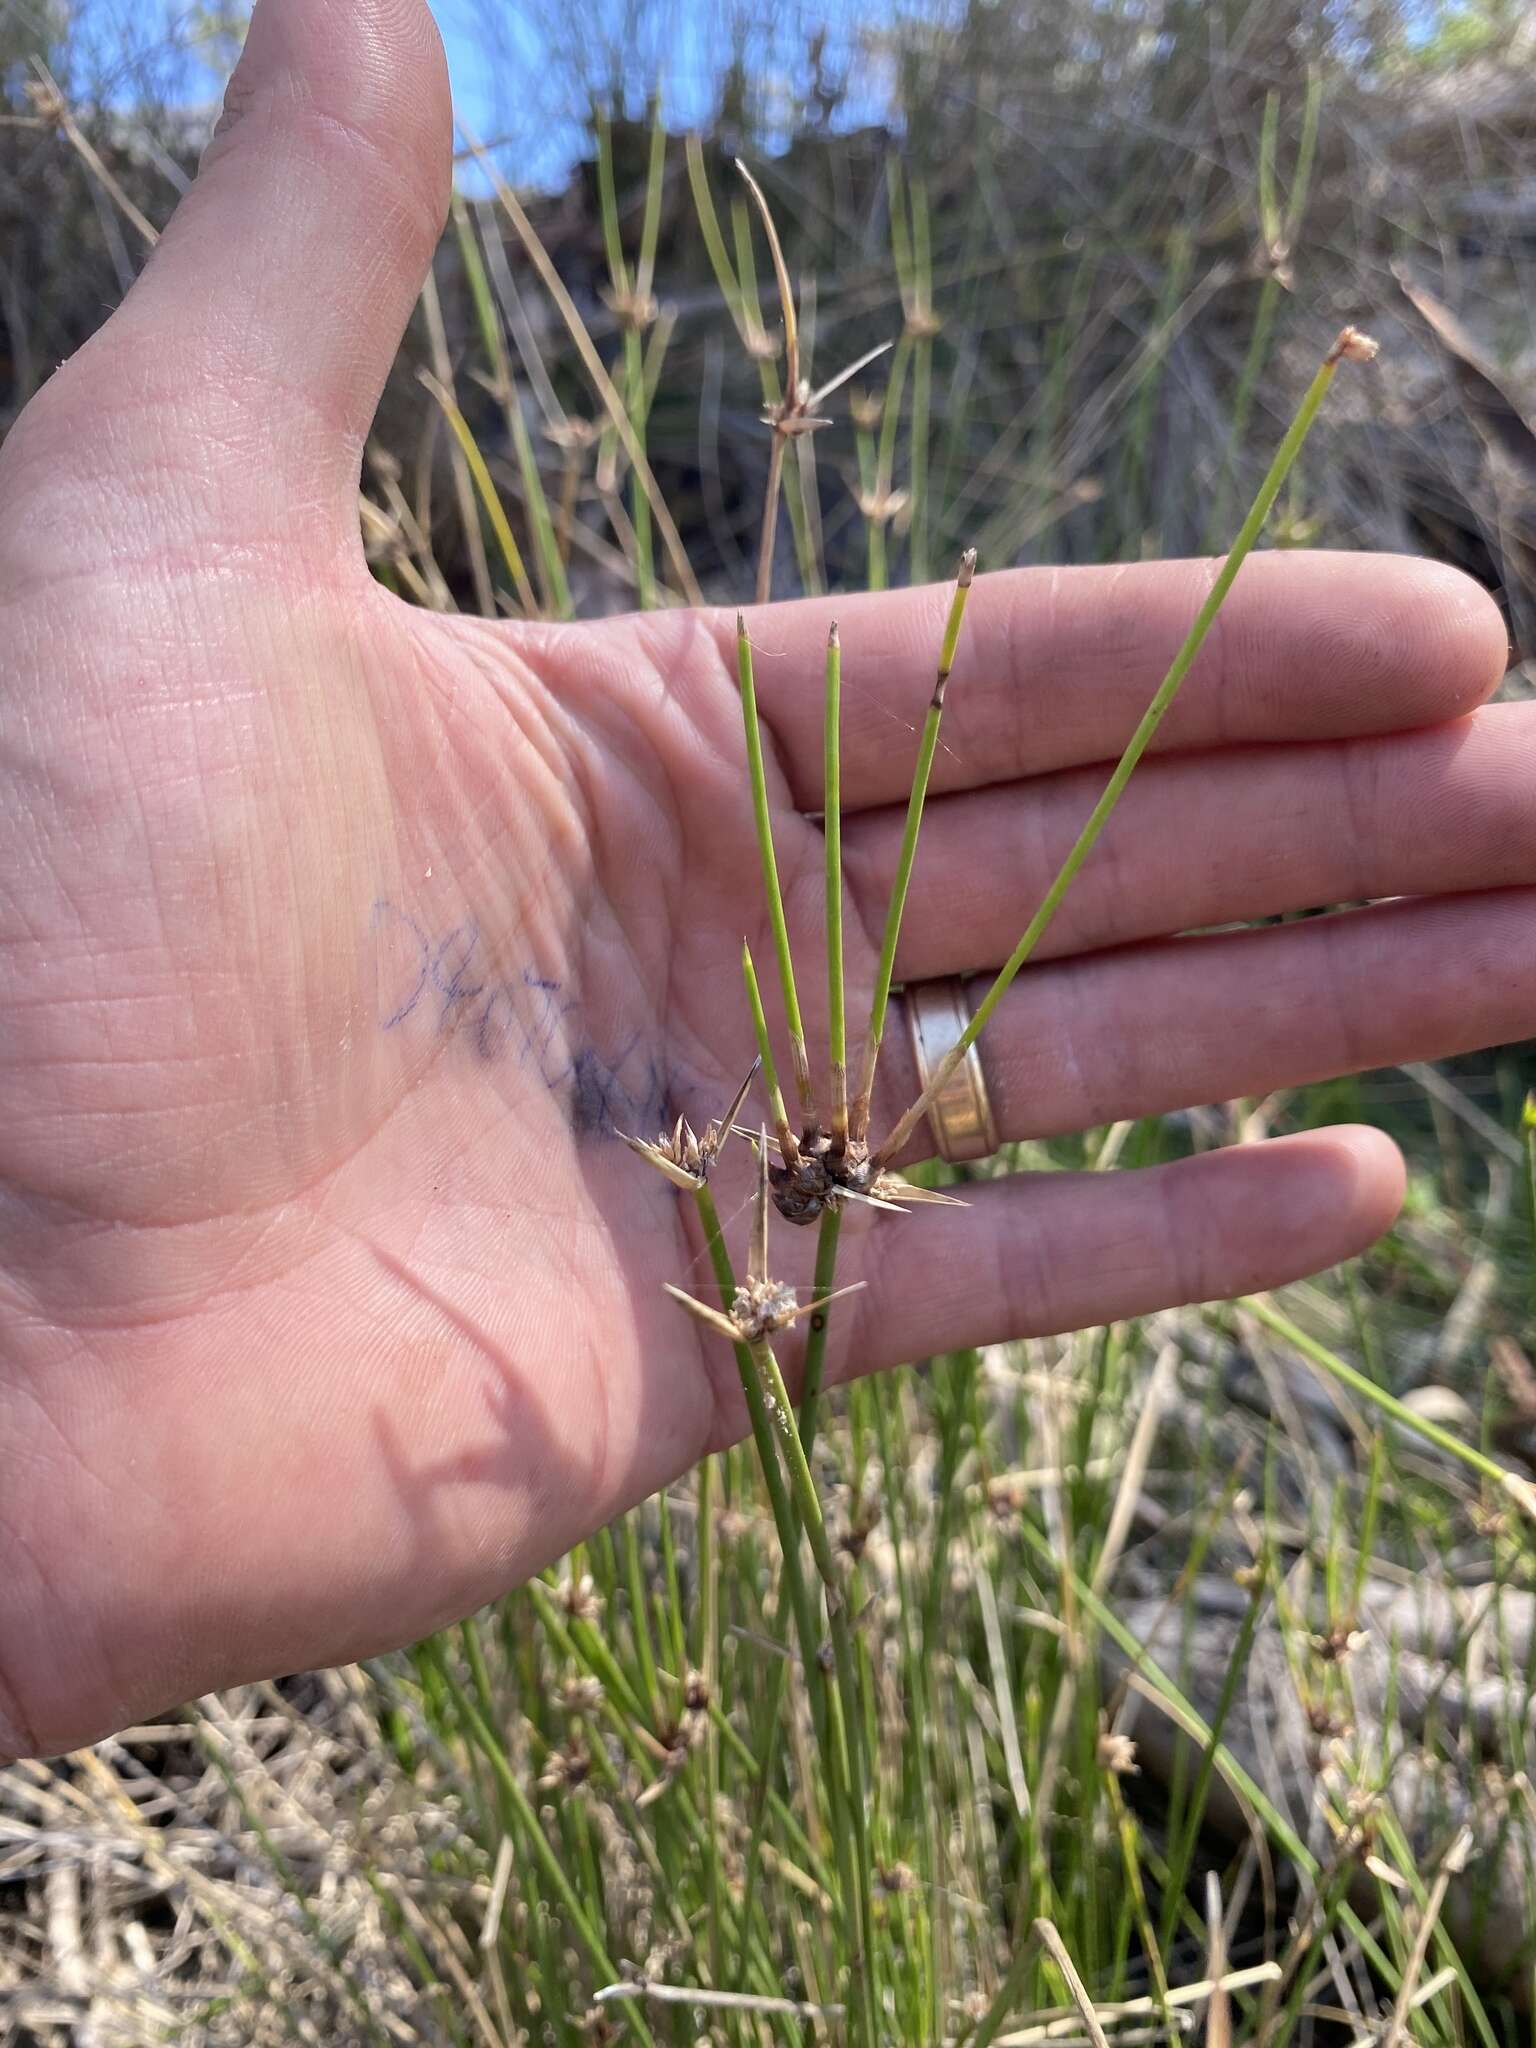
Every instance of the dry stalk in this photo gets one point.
(603, 384)
(1218, 2013)
(53, 111)
(1452, 1864)
(799, 410)
(1137, 1458)
(463, 483)
(1050, 2026)
(715, 2001)
(1056, 1949)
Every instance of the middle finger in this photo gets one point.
(1209, 839)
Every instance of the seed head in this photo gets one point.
(1354, 347)
(1338, 1643)
(632, 309)
(580, 1598)
(680, 1154)
(565, 1769)
(880, 506)
(1117, 1755)
(47, 102)
(571, 433)
(763, 1306)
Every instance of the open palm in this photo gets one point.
(338, 939)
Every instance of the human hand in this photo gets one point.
(337, 939)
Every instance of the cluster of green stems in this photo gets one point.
(853, 1168)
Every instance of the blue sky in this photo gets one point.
(515, 63)
(522, 68)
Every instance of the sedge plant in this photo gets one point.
(825, 1161)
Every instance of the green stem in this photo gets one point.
(550, 1867)
(490, 498)
(846, 1717)
(917, 460)
(655, 180)
(714, 244)
(741, 296)
(890, 417)
(785, 1519)
(608, 204)
(1275, 1824)
(1254, 361)
(1184, 1847)
(832, 811)
(1141, 739)
(822, 1285)
(772, 489)
(602, 383)
(874, 528)
(769, 1412)
(639, 503)
(709, 1666)
(552, 578)
(757, 1412)
(908, 854)
(764, 824)
(639, 1619)
(1406, 1418)
(788, 1143)
(922, 380)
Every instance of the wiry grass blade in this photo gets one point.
(796, 1508)
(636, 312)
(1511, 1484)
(770, 519)
(531, 1833)
(763, 822)
(738, 287)
(467, 476)
(46, 95)
(832, 813)
(828, 1232)
(896, 909)
(1279, 235)
(554, 586)
(489, 496)
(788, 1145)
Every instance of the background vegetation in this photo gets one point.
(1109, 242)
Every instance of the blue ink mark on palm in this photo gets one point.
(526, 1015)
(383, 914)
(462, 940)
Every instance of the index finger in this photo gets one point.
(1055, 666)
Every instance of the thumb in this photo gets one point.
(256, 343)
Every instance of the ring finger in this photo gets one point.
(1149, 1028)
